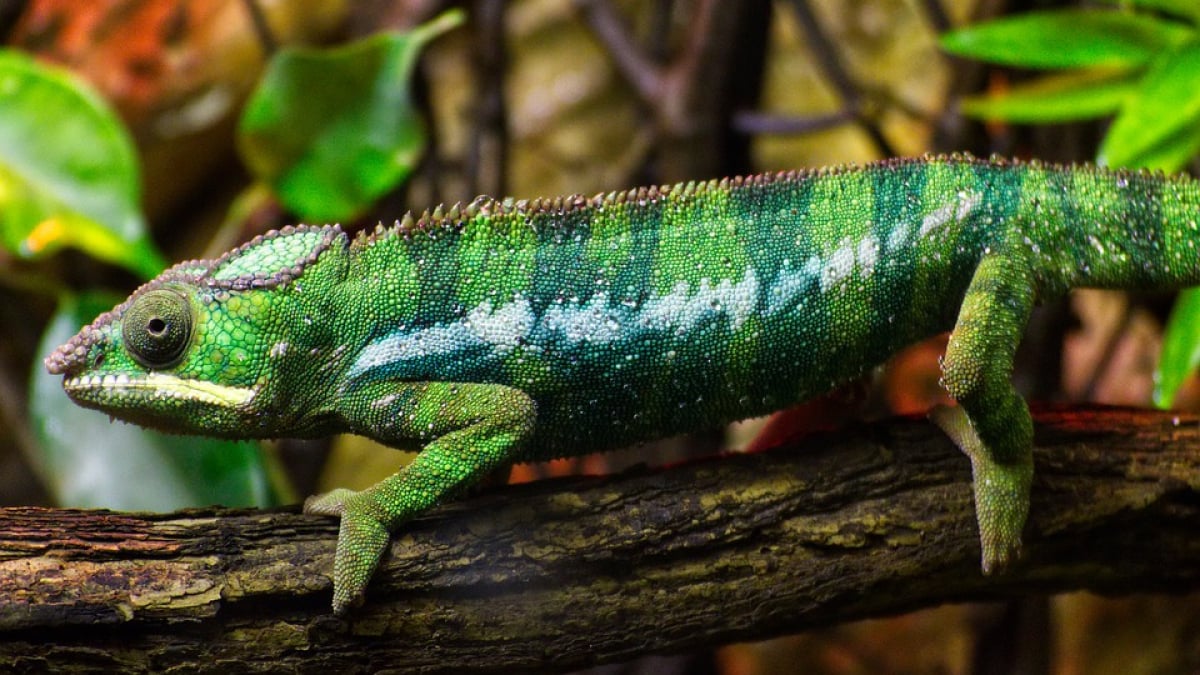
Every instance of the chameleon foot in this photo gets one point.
(361, 542)
(1001, 491)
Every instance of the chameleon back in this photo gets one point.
(660, 310)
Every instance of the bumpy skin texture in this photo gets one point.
(500, 332)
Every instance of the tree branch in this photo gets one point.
(565, 573)
(642, 73)
(688, 94)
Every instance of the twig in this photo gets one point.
(487, 155)
(831, 64)
(262, 29)
(753, 122)
(937, 15)
(629, 58)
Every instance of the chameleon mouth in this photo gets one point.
(161, 384)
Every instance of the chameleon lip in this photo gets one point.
(161, 384)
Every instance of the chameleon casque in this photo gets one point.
(510, 331)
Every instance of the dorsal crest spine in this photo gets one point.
(444, 218)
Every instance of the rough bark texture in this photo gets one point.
(566, 573)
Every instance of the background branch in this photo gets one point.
(692, 94)
(565, 573)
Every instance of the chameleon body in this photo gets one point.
(502, 331)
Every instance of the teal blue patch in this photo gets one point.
(895, 223)
(563, 272)
(772, 230)
(437, 261)
(628, 245)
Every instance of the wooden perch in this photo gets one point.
(566, 573)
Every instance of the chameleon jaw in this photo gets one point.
(162, 384)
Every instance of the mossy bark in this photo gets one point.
(570, 572)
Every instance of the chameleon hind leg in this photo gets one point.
(472, 431)
(991, 423)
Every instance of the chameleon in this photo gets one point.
(503, 331)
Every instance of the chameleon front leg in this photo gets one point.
(471, 429)
(991, 423)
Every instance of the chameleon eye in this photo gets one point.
(157, 328)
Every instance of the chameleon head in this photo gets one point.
(203, 348)
(159, 360)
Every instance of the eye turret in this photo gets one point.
(157, 328)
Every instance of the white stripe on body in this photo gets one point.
(598, 321)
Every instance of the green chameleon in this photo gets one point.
(510, 331)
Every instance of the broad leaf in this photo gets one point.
(89, 461)
(1058, 98)
(1171, 153)
(1181, 348)
(68, 170)
(1167, 103)
(1068, 39)
(332, 130)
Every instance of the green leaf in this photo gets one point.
(1068, 39)
(1171, 153)
(1058, 98)
(333, 130)
(88, 461)
(1181, 348)
(68, 170)
(1166, 104)
(1187, 9)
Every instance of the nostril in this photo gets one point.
(99, 360)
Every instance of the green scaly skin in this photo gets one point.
(501, 332)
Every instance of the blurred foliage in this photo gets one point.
(74, 182)
(1181, 348)
(1142, 67)
(177, 73)
(1141, 64)
(886, 46)
(332, 130)
(336, 130)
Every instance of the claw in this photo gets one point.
(999, 554)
